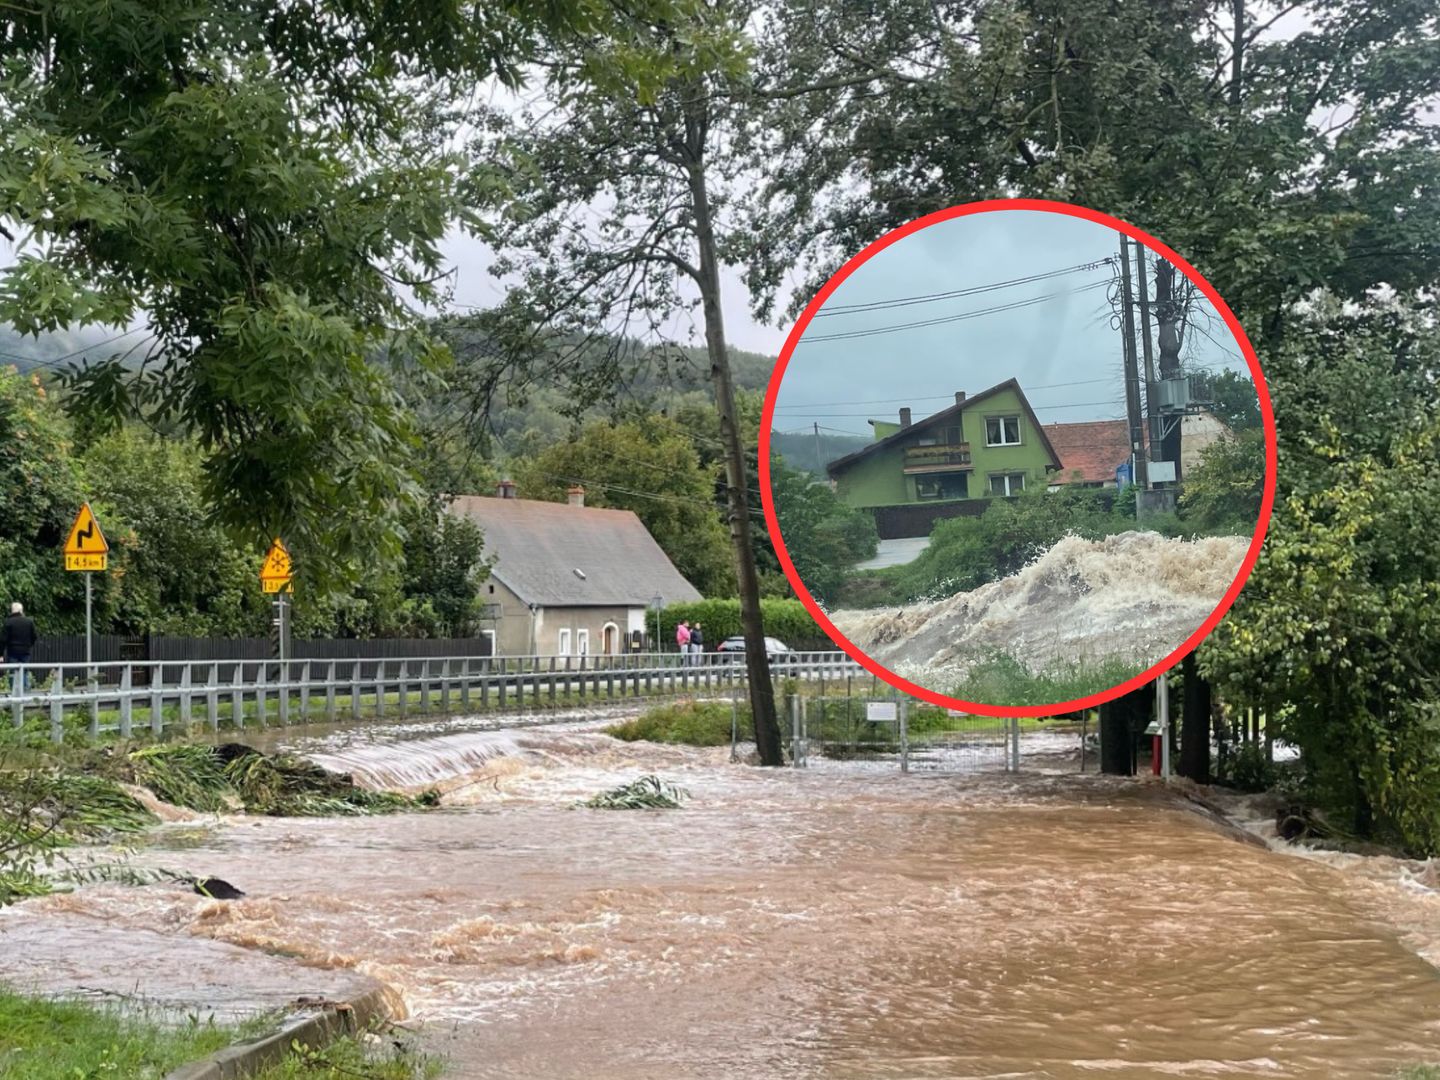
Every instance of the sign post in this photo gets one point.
(86, 551)
(276, 577)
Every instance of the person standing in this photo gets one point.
(18, 638)
(697, 644)
(682, 638)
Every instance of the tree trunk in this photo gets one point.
(1195, 721)
(757, 658)
(1122, 728)
(1117, 742)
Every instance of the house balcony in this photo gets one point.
(921, 460)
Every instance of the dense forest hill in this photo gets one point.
(528, 400)
(520, 415)
(810, 453)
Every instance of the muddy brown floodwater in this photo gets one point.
(826, 922)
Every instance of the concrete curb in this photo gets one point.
(327, 1023)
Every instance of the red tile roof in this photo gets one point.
(1094, 449)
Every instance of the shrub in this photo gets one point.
(1002, 679)
(689, 723)
(784, 619)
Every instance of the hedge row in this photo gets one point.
(784, 619)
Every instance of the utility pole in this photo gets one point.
(1167, 316)
(1138, 472)
(819, 465)
(1152, 404)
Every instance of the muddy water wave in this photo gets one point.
(1135, 594)
(810, 923)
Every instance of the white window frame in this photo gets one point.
(582, 642)
(563, 642)
(1010, 489)
(489, 635)
(1002, 440)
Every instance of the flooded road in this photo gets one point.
(828, 922)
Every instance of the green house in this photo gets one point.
(983, 446)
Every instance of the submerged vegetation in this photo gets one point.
(47, 807)
(647, 793)
(690, 723)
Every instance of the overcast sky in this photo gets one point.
(475, 286)
(1062, 348)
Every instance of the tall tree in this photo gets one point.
(1312, 162)
(1281, 167)
(259, 183)
(620, 193)
(649, 466)
(1340, 622)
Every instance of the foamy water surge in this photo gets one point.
(821, 923)
(1135, 594)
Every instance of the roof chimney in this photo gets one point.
(904, 418)
(959, 397)
(506, 489)
(576, 495)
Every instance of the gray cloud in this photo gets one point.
(1063, 350)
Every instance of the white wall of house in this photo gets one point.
(1198, 431)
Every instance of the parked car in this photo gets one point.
(774, 647)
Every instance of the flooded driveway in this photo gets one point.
(829, 922)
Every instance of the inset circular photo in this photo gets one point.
(1017, 458)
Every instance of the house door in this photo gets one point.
(611, 639)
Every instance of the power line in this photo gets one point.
(930, 397)
(1037, 408)
(929, 298)
(1030, 302)
(54, 360)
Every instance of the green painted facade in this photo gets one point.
(879, 479)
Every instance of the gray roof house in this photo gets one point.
(568, 579)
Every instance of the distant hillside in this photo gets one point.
(800, 450)
(525, 418)
(47, 351)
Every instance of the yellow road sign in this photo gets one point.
(275, 575)
(85, 547)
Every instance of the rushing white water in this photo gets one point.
(1137, 594)
(842, 922)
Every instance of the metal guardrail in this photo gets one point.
(242, 692)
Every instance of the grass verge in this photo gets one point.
(41, 1039)
(60, 1040)
(1003, 680)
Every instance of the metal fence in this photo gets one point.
(114, 648)
(900, 733)
(120, 698)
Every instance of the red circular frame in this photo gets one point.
(1266, 413)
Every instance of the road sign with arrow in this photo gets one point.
(85, 547)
